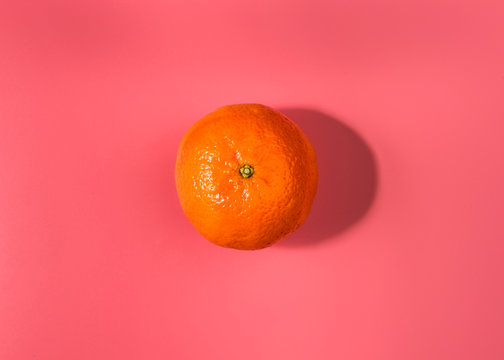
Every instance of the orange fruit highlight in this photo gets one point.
(246, 176)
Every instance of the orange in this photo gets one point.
(246, 176)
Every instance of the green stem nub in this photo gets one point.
(246, 171)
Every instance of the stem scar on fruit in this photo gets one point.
(246, 171)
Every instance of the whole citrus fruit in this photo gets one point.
(246, 176)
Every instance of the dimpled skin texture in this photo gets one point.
(246, 213)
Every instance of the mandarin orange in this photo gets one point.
(246, 176)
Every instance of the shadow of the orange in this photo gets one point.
(347, 177)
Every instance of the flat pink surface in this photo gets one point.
(402, 255)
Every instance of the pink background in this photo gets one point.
(402, 256)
